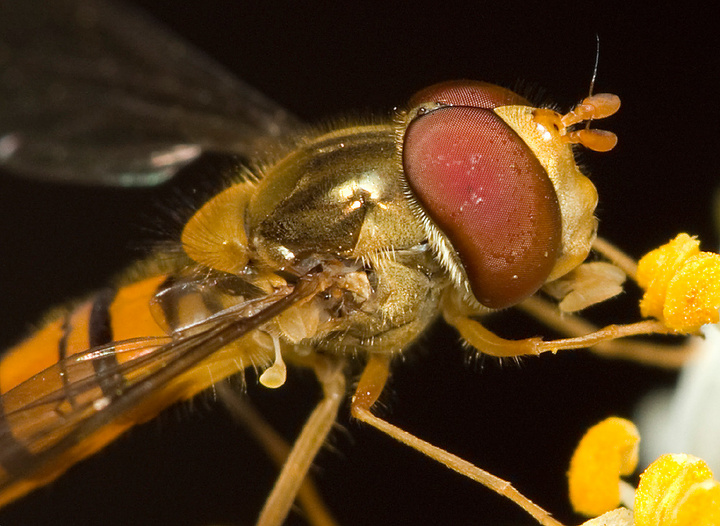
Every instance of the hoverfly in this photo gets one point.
(191, 281)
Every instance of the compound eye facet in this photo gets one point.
(468, 93)
(487, 192)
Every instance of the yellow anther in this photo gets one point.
(677, 490)
(656, 269)
(693, 296)
(607, 451)
(682, 285)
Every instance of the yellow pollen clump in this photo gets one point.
(607, 451)
(682, 285)
(677, 490)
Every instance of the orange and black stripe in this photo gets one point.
(48, 414)
(100, 333)
(110, 315)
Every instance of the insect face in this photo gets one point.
(499, 192)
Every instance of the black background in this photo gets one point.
(192, 466)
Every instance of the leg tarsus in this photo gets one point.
(369, 388)
(668, 356)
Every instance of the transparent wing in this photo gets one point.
(93, 92)
(76, 406)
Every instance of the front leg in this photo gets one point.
(461, 316)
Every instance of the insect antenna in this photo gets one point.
(595, 68)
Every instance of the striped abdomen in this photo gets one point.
(47, 380)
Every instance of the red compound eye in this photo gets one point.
(468, 93)
(488, 193)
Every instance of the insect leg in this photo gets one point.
(667, 356)
(332, 379)
(369, 388)
(616, 256)
(462, 318)
(277, 449)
